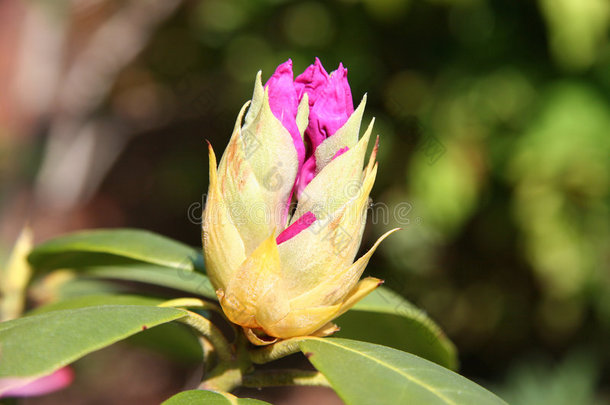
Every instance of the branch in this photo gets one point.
(190, 302)
(276, 351)
(209, 331)
(278, 378)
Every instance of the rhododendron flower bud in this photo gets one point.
(283, 263)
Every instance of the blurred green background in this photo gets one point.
(494, 117)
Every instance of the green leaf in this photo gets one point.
(126, 254)
(367, 374)
(37, 345)
(108, 246)
(61, 285)
(175, 340)
(66, 284)
(180, 279)
(96, 300)
(385, 318)
(210, 398)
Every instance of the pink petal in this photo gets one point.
(284, 103)
(349, 102)
(330, 101)
(307, 174)
(311, 81)
(299, 225)
(309, 171)
(340, 152)
(25, 387)
(332, 109)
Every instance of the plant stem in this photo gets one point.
(276, 378)
(209, 354)
(275, 351)
(228, 375)
(233, 361)
(191, 303)
(209, 331)
(224, 377)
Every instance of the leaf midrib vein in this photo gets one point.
(397, 370)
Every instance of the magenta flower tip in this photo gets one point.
(312, 81)
(330, 106)
(297, 227)
(284, 103)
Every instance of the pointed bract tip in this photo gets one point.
(210, 150)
